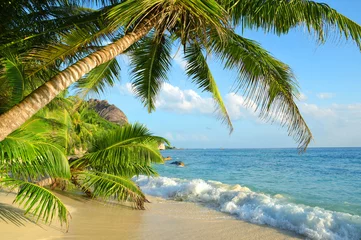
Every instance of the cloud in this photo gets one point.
(334, 125)
(127, 89)
(238, 107)
(316, 111)
(187, 101)
(179, 60)
(348, 113)
(183, 137)
(325, 95)
(335, 116)
(174, 99)
(302, 97)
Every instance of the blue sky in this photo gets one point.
(329, 77)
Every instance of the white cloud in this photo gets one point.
(335, 125)
(183, 137)
(302, 97)
(188, 101)
(238, 107)
(179, 59)
(174, 99)
(127, 89)
(315, 111)
(325, 95)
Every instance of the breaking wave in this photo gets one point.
(260, 208)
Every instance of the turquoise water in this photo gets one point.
(316, 194)
(324, 177)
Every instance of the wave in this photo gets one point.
(259, 208)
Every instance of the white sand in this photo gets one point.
(163, 219)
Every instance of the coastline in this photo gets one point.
(163, 219)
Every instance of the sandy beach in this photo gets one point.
(163, 219)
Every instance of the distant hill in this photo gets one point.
(108, 111)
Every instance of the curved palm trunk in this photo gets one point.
(20, 113)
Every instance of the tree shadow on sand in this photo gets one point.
(10, 214)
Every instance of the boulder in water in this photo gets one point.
(178, 163)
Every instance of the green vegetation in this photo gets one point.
(48, 45)
(72, 41)
(169, 147)
(34, 158)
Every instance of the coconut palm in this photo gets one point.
(116, 157)
(27, 156)
(34, 157)
(147, 30)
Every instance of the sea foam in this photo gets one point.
(260, 208)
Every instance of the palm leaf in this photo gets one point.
(13, 75)
(109, 187)
(125, 152)
(38, 201)
(57, 19)
(150, 63)
(97, 79)
(71, 47)
(279, 16)
(268, 83)
(26, 155)
(198, 69)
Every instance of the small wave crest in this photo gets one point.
(260, 208)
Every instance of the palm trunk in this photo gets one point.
(20, 113)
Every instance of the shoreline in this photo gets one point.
(162, 219)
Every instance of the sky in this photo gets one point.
(329, 77)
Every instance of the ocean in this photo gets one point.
(316, 194)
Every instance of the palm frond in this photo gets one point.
(198, 69)
(132, 11)
(125, 152)
(100, 77)
(150, 63)
(280, 16)
(13, 75)
(164, 15)
(27, 155)
(59, 19)
(71, 47)
(111, 187)
(38, 201)
(268, 83)
(128, 133)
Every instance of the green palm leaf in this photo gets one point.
(56, 19)
(125, 152)
(71, 47)
(38, 201)
(150, 63)
(97, 80)
(13, 75)
(111, 187)
(268, 83)
(29, 156)
(279, 16)
(198, 69)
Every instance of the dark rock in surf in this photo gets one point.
(178, 163)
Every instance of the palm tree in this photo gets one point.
(146, 30)
(116, 157)
(34, 157)
(28, 156)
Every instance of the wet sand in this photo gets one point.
(163, 219)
